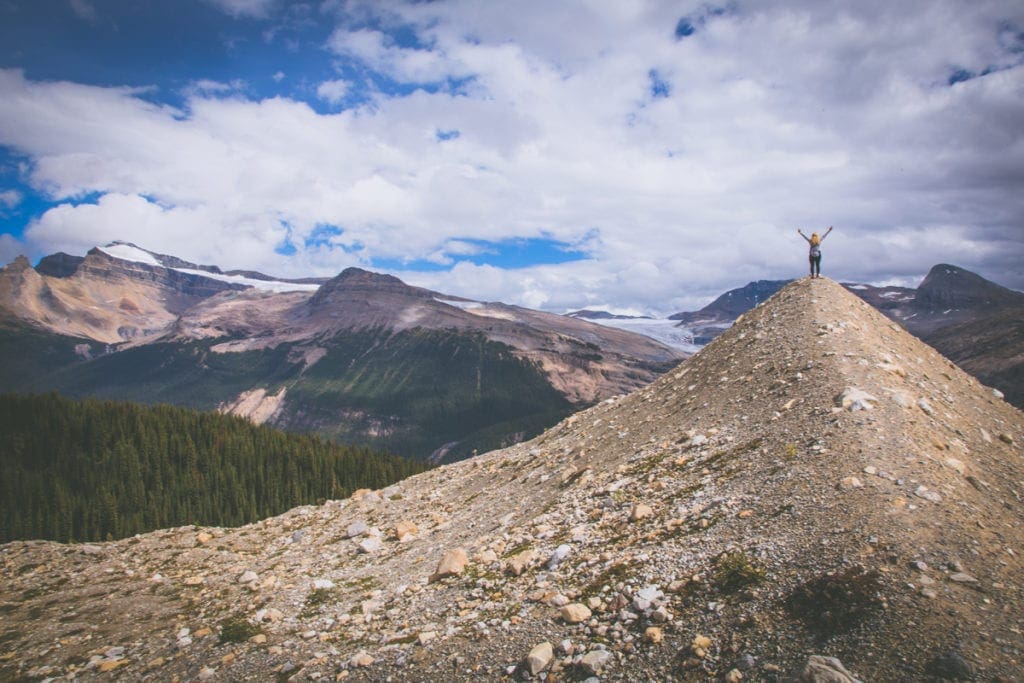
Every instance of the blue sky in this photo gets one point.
(635, 156)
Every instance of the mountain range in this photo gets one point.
(359, 358)
(816, 495)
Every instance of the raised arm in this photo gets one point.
(803, 235)
(826, 233)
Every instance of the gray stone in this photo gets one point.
(370, 545)
(539, 658)
(595, 661)
(358, 528)
(745, 662)
(826, 670)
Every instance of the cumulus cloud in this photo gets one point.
(84, 10)
(899, 123)
(334, 91)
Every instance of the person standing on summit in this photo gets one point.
(815, 254)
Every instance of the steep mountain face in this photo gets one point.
(814, 482)
(364, 358)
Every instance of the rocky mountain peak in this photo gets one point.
(951, 287)
(815, 481)
(356, 283)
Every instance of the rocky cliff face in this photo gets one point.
(814, 482)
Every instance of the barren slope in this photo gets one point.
(731, 519)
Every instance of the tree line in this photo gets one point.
(93, 470)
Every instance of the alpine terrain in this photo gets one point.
(969, 319)
(815, 494)
(361, 358)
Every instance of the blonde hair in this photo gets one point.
(815, 238)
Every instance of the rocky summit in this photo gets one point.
(816, 495)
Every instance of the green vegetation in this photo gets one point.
(89, 470)
(236, 629)
(418, 389)
(408, 392)
(735, 571)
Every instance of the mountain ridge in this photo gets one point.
(365, 358)
(814, 481)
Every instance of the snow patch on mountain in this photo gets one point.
(129, 252)
(265, 285)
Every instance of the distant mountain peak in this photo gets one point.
(357, 283)
(951, 287)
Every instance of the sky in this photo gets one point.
(637, 156)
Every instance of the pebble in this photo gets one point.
(361, 659)
(539, 658)
(595, 661)
(451, 564)
(925, 406)
(640, 511)
(854, 399)
(825, 670)
(518, 563)
(370, 545)
(700, 646)
(561, 553)
(406, 531)
(850, 483)
(248, 576)
(575, 613)
(653, 634)
(358, 528)
(962, 577)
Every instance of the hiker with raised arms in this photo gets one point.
(815, 254)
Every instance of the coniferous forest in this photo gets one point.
(94, 470)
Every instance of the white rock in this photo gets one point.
(925, 406)
(370, 545)
(854, 399)
(561, 553)
(323, 584)
(248, 576)
(358, 528)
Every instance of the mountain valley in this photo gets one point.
(814, 491)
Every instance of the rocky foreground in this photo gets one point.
(816, 494)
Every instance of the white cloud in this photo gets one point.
(333, 92)
(10, 198)
(278, 76)
(778, 116)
